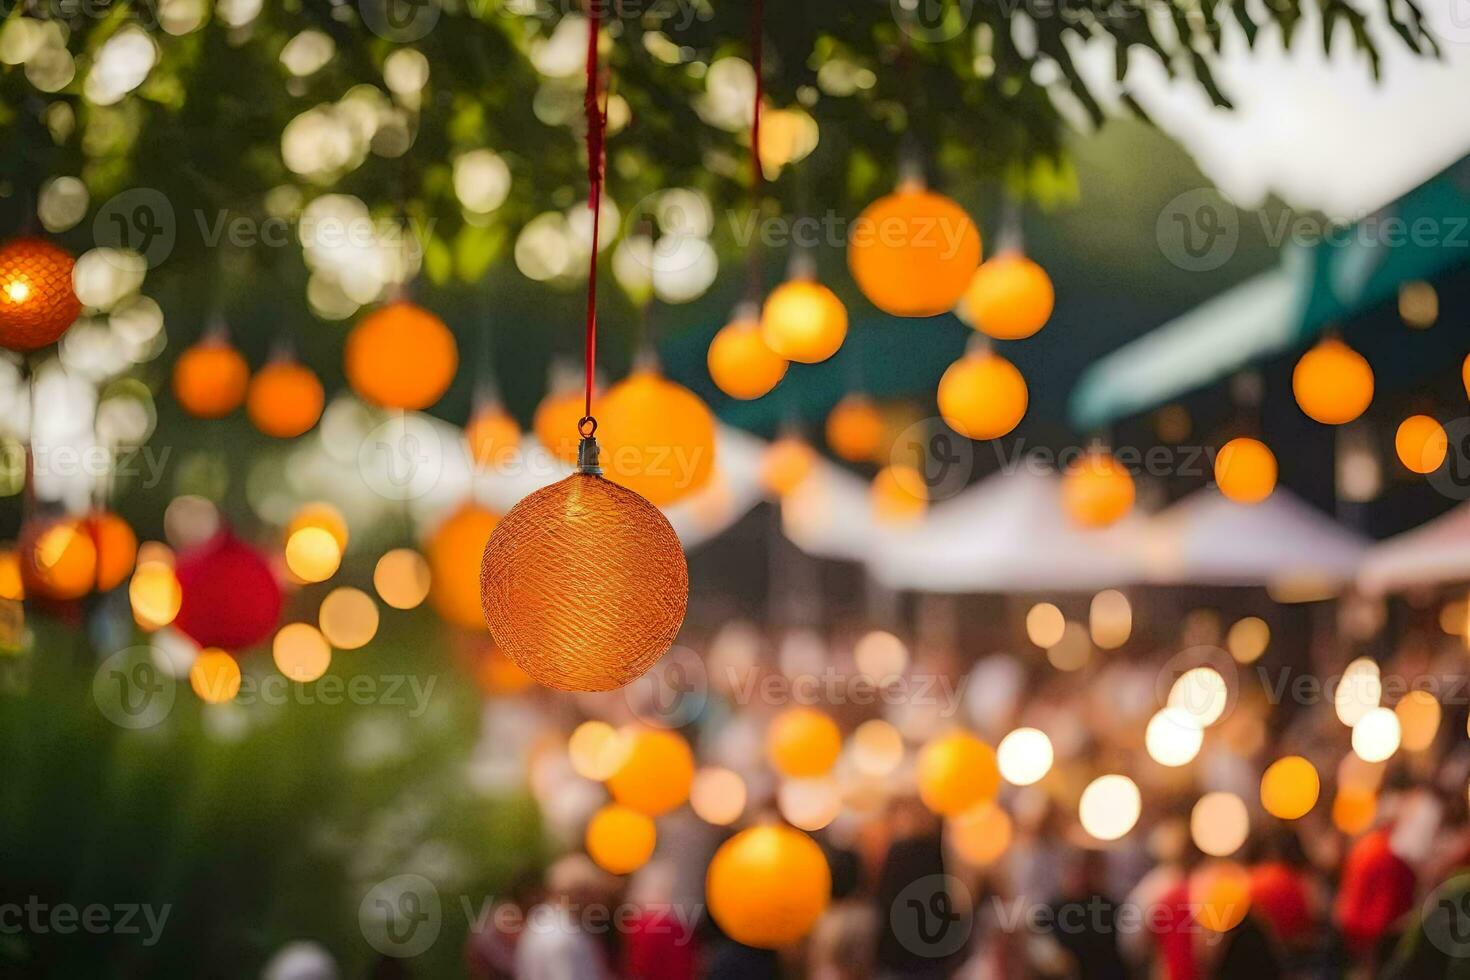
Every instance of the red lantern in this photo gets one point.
(230, 598)
(37, 301)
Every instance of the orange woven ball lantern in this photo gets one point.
(786, 464)
(956, 773)
(37, 301)
(1009, 298)
(982, 396)
(767, 886)
(899, 494)
(658, 437)
(1421, 443)
(740, 363)
(210, 378)
(656, 772)
(1245, 470)
(584, 584)
(285, 399)
(1333, 383)
(1097, 490)
(492, 436)
(803, 321)
(620, 839)
(555, 422)
(856, 430)
(802, 743)
(454, 551)
(913, 252)
(400, 356)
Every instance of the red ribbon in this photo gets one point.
(596, 133)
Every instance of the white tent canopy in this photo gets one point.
(1432, 554)
(1008, 534)
(830, 515)
(1281, 543)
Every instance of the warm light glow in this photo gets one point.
(1419, 714)
(1376, 735)
(1245, 470)
(1173, 737)
(1248, 639)
(1024, 756)
(803, 742)
(323, 516)
(215, 676)
(1358, 691)
(856, 430)
(301, 652)
(1110, 619)
(1221, 893)
(1073, 650)
(877, 748)
(656, 772)
(899, 494)
(809, 804)
(956, 772)
(1109, 807)
(658, 437)
(1219, 824)
(619, 839)
(402, 578)
(1010, 297)
(1097, 490)
(981, 835)
(1201, 693)
(912, 253)
(596, 750)
(803, 321)
(786, 465)
(1045, 624)
(1353, 811)
(1333, 383)
(982, 396)
(717, 796)
(18, 290)
(880, 656)
(740, 363)
(348, 618)
(767, 886)
(1289, 788)
(1421, 444)
(312, 554)
(1418, 304)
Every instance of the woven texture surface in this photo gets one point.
(584, 585)
(37, 302)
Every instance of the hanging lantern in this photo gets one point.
(492, 436)
(656, 771)
(767, 886)
(230, 599)
(454, 550)
(116, 546)
(400, 356)
(1289, 788)
(856, 430)
(957, 772)
(786, 464)
(982, 395)
(1421, 444)
(210, 378)
(1009, 298)
(1465, 374)
(803, 743)
(899, 494)
(65, 558)
(584, 583)
(37, 301)
(284, 399)
(555, 422)
(913, 252)
(803, 321)
(740, 363)
(620, 839)
(1333, 383)
(1245, 470)
(1097, 490)
(658, 437)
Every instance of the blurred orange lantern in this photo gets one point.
(1421, 444)
(285, 399)
(786, 464)
(37, 301)
(1353, 810)
(12, 584)
(957, 772)
(454, 550)
(899, 494)
(740, 363)
(1097, 490)
(210, 378)
(555, 422)
(767, 886)
(492, 436)
(913, 252)
(320, 515)
(584, 584)
(215, 676)
(500, 676)
(116, 546)
(1333, 383)
(856, 429)
(1220, 892)
(1465, 374)
(980, 835)
(67, 557)
(1009, 298)
(803, 742)
(982, 396)
(803, 321)
(1289, 788)
(655, 774)
(400, 356)
(1245, 470)
(658, 437)
(620, 839)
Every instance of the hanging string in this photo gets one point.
(757, 172)
(596, 132)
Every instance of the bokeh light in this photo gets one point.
(348, 618)
(1024, 756)
(717, 796)
(300, 652)
(1219, 824)
(1109, 807)
(402, 578)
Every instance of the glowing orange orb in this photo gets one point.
(584, 584)
(1097, 490)
(37, 301)
(740, 363)
(786, 464)
(899, 494)
(803, 742)
(555, 422)
(767, 886)
(856, 430)
(400, 356)
(982, 396)
(215, 676)
(658, 437)
(957, 772)
(1421, 444)
(455, 549)
(620, 839)
(1333, 383)
(803, 321)
(210, 379)
(1289, 788)
(913, 252)
(656, 772)
(1245, 470)
(1009, 298)
(492, 436)
(284, 399)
